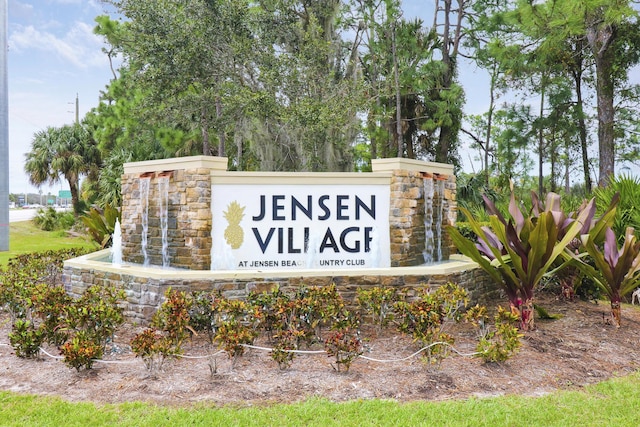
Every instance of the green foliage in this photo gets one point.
(232, 335)
(43, 312)
(49, 219)
(274, 313)
(379, 302)
(317, 307)
(96, 314)
(21, 292)
(499, 343)
(617, 270)
(153, 348)
(205, 313)
(26, 339)
(68, 151)
(100, 224)
(628, 211)
(173, 319)
(284, 342)
(49, 305)
(425, 319)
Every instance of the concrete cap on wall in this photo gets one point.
(387, 165)
(177, 163)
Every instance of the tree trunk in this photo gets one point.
(396, 77)
(541, 142)
(204, 129)
(221, 135)
(582, 126)
(75, 199)
(600, 38)
(492, 100)
(615, 312)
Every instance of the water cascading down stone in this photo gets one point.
(439, 217)
(428, 189)
(163, 207)
(144, 215)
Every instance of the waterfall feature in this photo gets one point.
(439, 213)
(163, 207)
(116, 245)
(433, 217)
(144, 214)
(428, 219)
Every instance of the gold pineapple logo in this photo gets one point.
(233, 234)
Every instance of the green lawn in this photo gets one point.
(611, 403)
(24, 237)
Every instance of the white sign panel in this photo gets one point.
(259, 227)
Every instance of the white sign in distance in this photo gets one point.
(258, 227)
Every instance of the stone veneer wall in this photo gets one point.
(146, 294)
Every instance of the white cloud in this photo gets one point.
(79, 46)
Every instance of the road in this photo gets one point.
(16, 215)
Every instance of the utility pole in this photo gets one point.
(4, 131)
(77, 109)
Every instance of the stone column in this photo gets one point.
(189, 210)
(407, 207)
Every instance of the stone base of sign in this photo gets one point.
(145, 286)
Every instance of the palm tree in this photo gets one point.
(68, 151)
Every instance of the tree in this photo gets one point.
(68, 151)
(603, 23)
(448, 22)
(188, 57)
(402, 82)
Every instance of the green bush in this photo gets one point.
(628, 210)
(26, 339)
(49, 219)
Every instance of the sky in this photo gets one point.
(54, 56)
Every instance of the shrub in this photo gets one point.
(627, 213)
(232, 335)
(499, 343)
(205, 313)
(81, 352)
(153, 348)
(97, 313)
(100, 224)
(26, 339)
(173, 318)
(379, 303)
(283, 342)
(517, 253)
(425, 318)
(345, 346)
(49, 219)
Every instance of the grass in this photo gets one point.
(612, 402)
(24, 237)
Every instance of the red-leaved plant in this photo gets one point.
(519, 252)
(616, 269)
